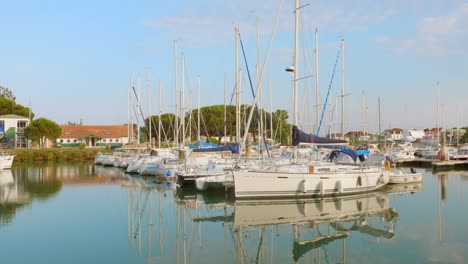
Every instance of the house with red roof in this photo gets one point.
(95, 135)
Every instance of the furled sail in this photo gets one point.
(299, 136)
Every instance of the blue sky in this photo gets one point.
(73, 60)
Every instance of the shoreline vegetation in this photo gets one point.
(55, 155)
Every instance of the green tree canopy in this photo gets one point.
(10, 107)
(212, 123)
(7, 93)
(41, 129)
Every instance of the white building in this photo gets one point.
(412, 135)
(12, 131)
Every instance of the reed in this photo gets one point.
(55, 155)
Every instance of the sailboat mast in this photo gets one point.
(271, 113)
(342, 87)
(317, 90)
(148, 87)
(238, 126)
(260, 130)
(130, 114)
(296, 59)
(225, 78)
(182, 104)
(176, 119)
(159, 113)
(198, 112)
(379, 117)
(437, 116)
(138, 107)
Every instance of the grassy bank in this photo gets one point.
(54, 155)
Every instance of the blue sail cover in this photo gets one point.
(299, 136)
(234, 148)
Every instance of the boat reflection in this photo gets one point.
(403, 188)
(339, 217)
(13, 196)
(316, 228)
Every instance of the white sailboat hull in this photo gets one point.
(281, 184)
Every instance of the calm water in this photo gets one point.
(86, 214)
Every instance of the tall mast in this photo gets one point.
(379, 117)
(437, 116)
(271, 113)
(364, 103)
(138, 108)
(176, 119)
(148, 84)
(198, 112)
(191, 116)
(225, 114)
(260, 130)
(237, 87)
(317, 89)
(130, 114)
(182, 104)
(342, 88)
(296, 59)
(159, 113)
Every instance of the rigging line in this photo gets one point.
(331, 118)
(328, 93)
(230, 104)
(261, 75)
(141, 111)
(253, 93)
(142, 211)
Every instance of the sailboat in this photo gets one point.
(342, 174)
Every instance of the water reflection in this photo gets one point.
(25, 183)
(13, 196)
(251, 229)
(153, 222)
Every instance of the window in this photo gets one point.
(68, 133)
(75, 140)
(61, 141)
(68, 140)
(104, 140)
(108, 132)
(117, 140)
(20, 126)
(110, 140)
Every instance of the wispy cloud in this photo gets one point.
(383, 39)
(439, 35)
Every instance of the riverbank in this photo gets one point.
(55, 155)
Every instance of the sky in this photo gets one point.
(73, 61)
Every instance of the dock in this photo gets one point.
(450, 164)
(435, 164)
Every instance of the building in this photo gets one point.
(413, 135)
(356, 135)
(393, 134)
(94, 136)
(12, 131)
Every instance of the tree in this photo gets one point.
(10, 107)
(7, 93)
(41, 129)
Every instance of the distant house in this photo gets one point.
(12, 131)
(335, 136)
(94, 136)
(359, 135)
(393, 134)
(413, 135)
(432, 136)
